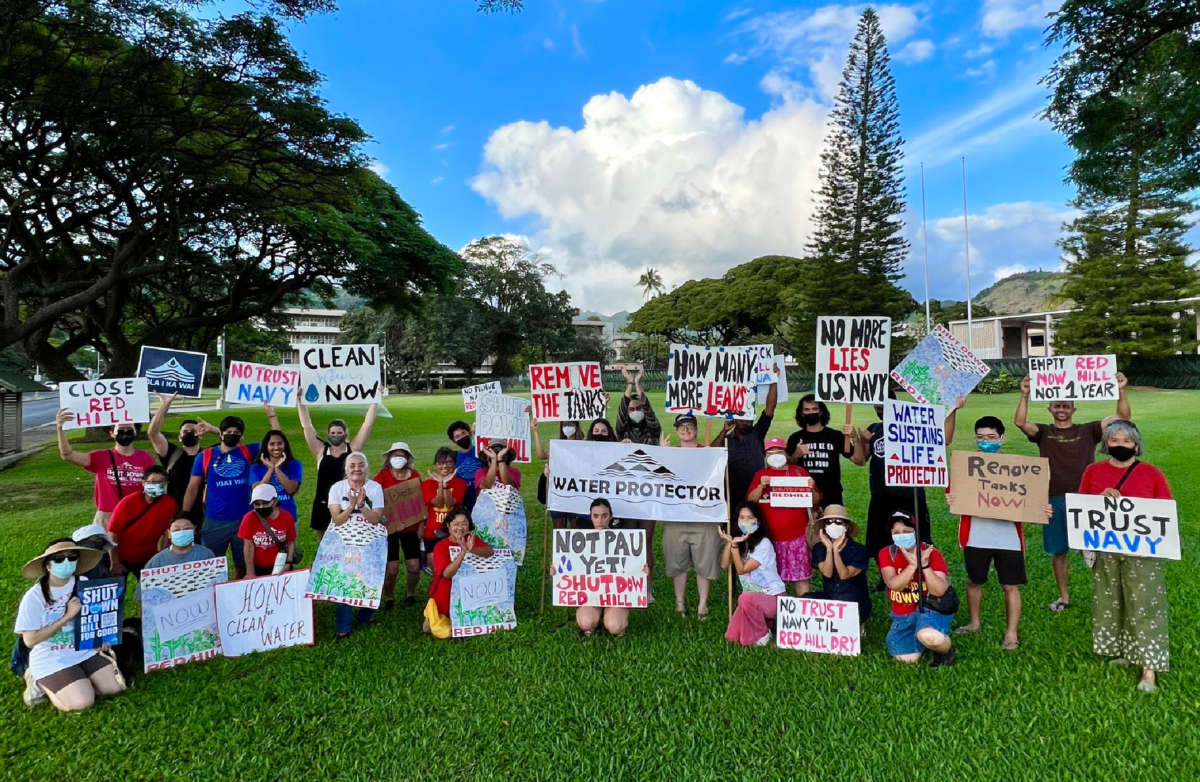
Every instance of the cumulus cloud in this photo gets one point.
(916, 51)
(379, 168)
(1000, 18)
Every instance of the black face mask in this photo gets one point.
(602, 438)
(463, 442)
(812, 419)
(231, 440)
(264, 512)
(125, 437)
(1122, 453)
(188, 439)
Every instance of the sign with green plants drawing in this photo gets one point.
(349, 565)
(483, 594)
(179, 615)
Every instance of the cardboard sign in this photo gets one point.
(503, 417)
(470, 394)
(1132, 526)
(260, 614)
(99, 621)
(350, 565)
(1000, 486)
(258, 384)
(179, 617)
(105, 402)
(791, 491)
(567, 392)
(483, 594)
(940, 369)
(403, 505)
(172, 371)
(852, 359)
(914, 447)
(781, 394)
(499, 516)
(1073, 378)
(821, 626)
(641, 481)
(339, 374)
(603, 568)
(715, 381)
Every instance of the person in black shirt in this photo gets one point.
(177, 459)
(816, 447)
(744, 442)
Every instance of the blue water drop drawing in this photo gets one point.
(311, 395)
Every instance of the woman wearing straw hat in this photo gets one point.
(403, 512)
(45, 622)
(841, 559)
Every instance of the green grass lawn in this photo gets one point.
(671, 700)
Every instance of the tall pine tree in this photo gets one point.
(858, 238)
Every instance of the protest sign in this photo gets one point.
(404, 505)
(940, 369)
(790, 491)
(349, 565)
(99, 620)
(260, 614)
(172, 371)
(1073, 378)
(499, 516)
(822, 626)
(714, 381)
(600, 567)
(999, 486)
(107, 402)
(339, 374)
(472, 393)
(502, 417)
(641, 481)
(781, 393)
(259, 384)
(483, 594)
(852, 359)
(567, 392)
(914, 444)
(1133, 526)
(179, 617)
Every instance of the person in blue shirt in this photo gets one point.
(467, 461)
(279, 468)
(223, 471)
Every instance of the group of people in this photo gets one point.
(238, 498)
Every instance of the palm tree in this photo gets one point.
(650, 282)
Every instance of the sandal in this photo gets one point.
(1009, 646)
(966, 630)
(701, 616)
(1059, 605)
(585, 633)
(682, 612)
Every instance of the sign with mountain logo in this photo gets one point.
(172, 371)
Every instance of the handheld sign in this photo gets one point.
(567, 392)
(1000, 486)
(604, 568)
(470, 394)
(99, 620)
(781, 391)
(259, 614)
(713, 381)
(1132, 526)
(822, 626)
(502, 417)
(1073, 378)
(179, 617)
(259, 384)
(483, 594)
(791, 491)
(852, 359)
(914, 447)
(107, 402)
(339, 374)
(172, 371)
(940, 369)
(350, 564)
(499, 516)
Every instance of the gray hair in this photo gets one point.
(359, 455)
(1122, 427)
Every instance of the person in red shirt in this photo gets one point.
(445, 563)
(442, 491)
(139, 523)
(915, 626)
(118, 470)
(404, 513)
(1129, 603)
(787, 525)
(266, 532)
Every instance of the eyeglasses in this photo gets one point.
(65, 558)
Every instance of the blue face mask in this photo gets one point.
(905, 540)
(748, 527)
(989, 446)
(64, 569)
(182, 538)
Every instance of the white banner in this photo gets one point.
(567, 392)
(260, 614)
(1073, 378)
(183, 615)
(822, 626)
(781, 393)
(914, 444)
(717, 381)
(1134, 526)
(107, 402)
(502, 417)
(603, 568)
(471, 394)
(791, 491)
(339, 374)
(852, 359)
(260, 384)
(641, 481)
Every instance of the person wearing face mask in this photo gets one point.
(1070, 448)
(636, 421)
(567, 430)
(139, 522)
(183, 548)
(816, 447)
(1129, 594)
(178, 458)
(689, 545)
(442, 491)
(330, 455)
(267, 533)
(45, 621)
(500, 469)
(467, 462)
(222, 475)
(788, 526)
(915, 626)
(276, 466)
(841, 560)
(601, 431)
(752, 556)
(118, 470)
(403, 512)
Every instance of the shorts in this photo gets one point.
(409, 542)
(692, 546)
(430, 544)
(902, 636)
(218, 535)
(56, 681)
(1010, 565)
(793, 559)
(1054, 534)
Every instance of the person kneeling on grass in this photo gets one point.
(588, 618)
(448, 555)
(752, 556)
(915, 626)
(45, 622)
(842, 561)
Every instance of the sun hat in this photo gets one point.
(93, 530)
(263, 492)
(88, 558)
(836, 512)
(399, 445)
(775, 442)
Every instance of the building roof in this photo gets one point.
(12, 381)
(305, 311)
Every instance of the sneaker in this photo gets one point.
(427, 570)
(944, 659)
(764, 641)
(33, 694)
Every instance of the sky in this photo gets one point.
(685, 135)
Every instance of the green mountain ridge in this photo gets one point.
(1035, 291)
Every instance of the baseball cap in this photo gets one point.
(684, 418)
(775, 442)
(264, 492)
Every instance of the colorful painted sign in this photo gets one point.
(821, 626)
(1133, 526)
(503, 417)
(781, 393)
(852, 359)
(940, 369)
(604, 568)
(914, 447)
(499, 516)
(567, 392)
(471, 394)
(339, 374)
(179, 617)
(260, 614)
(99, 620)
(1073, 378)
(260, 384)
(483, 594)
(106, 402)
(350, 564)
(172, 371)
(999, 486)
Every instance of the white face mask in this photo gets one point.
(398, 462)
(776, 460)
(568, 431)
(835, 530)
(637, 416)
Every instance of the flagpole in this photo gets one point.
(967, 249)
(925, 249)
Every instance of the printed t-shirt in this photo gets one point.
(265, 549)
(227, 485)
(514, 475)
(784, 523)
(822, 462)
(293, 469)
(437, 516)
(904, 601)
(129, 472)
(1069, 450)
(854, 589)
(167, 557)
(339, 495)
(137, 541)
(764, 578)
(404, 505)
(1145, 481)
(57, 651)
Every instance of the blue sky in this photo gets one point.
(620, 134)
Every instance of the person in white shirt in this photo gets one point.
(752, 555)
(359, 499)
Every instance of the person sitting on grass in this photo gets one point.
(915, 626)
(183, 548)
(449, 554)
(752, 556)
(614, 618)
(841, 560)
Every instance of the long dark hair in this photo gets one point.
(287, 446)
(612, 436)
(746, 546)
(800, 409)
